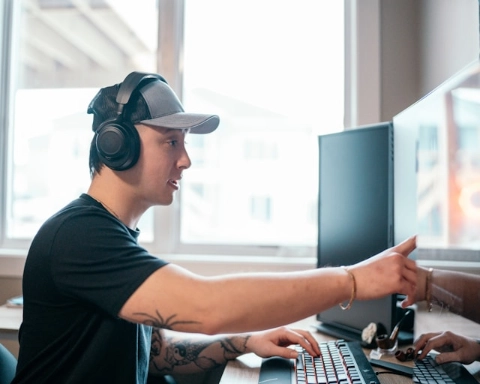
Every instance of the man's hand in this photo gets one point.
(274, 342)
(452, 347)
(391, 271)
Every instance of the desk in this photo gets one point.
(246, 369)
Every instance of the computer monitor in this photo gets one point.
(356, 218)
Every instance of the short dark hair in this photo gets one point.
(94, 161)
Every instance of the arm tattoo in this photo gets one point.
(234, 346)
(169, 353)
(159, 322)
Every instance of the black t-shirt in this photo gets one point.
(81, 268)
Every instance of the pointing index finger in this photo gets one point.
(407, 246)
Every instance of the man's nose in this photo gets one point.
(185, 161)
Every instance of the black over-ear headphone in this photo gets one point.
(117, 140)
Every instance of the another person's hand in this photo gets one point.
(452, 347)
(274, 342)
(420, 294)
(388, 272)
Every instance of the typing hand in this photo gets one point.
(452, 347)
(274, 342)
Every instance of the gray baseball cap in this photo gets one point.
(154, 103)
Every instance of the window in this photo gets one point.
(60, 54)
(260, 208)
(272, 70)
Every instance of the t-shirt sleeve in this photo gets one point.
(99, 261)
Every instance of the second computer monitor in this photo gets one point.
(356, 216)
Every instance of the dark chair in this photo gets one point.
(8, 365)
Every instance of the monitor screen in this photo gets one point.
(355, 213)
(442, 134)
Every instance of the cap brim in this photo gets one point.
(194, 122)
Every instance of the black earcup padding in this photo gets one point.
(118, 145)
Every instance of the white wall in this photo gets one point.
(449, 38)
(401, 50)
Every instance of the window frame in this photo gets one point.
(6, 15)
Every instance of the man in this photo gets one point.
(98, 308)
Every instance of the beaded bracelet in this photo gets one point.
(354, 291)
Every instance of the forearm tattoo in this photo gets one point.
(168, 353)
(159, 322)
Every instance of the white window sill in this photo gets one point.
(12, 263)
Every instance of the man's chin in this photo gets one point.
(166, 201)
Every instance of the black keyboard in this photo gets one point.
(429, 371)
(340, 362)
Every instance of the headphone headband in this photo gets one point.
(131, 82)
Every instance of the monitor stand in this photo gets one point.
(338, 332)
(404, 337)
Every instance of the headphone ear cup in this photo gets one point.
(118, 145)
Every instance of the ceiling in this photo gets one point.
(69, 42)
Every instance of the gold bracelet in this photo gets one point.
(354, 291)
(428, 290)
